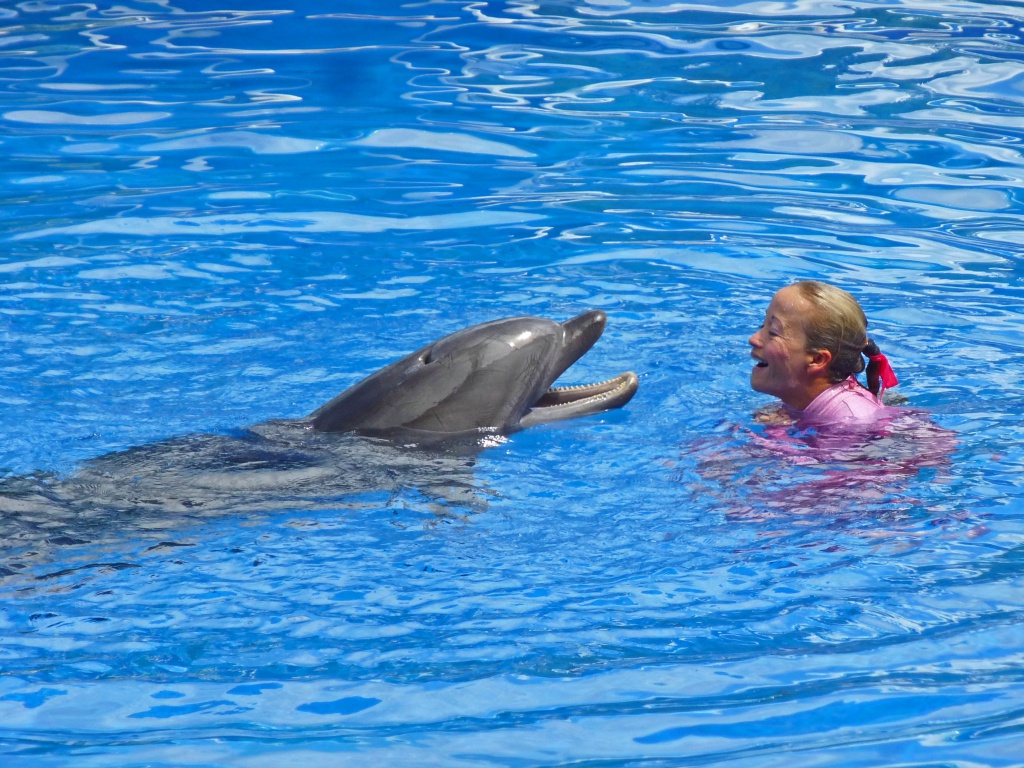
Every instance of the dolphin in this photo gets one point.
(415, 424)
(493, 377)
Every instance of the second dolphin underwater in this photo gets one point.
(416, 423)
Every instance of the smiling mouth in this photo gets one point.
(760, 364)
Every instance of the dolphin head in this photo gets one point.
(493, 377)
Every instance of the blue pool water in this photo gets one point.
(219, 213)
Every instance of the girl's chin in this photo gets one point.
(757, 381)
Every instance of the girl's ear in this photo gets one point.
(820, 361)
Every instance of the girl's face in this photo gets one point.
(784, 367)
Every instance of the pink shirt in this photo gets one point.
(845, 401)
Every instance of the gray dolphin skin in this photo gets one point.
(492, 377)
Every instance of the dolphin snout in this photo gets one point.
(583, 331)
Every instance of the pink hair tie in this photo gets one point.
(880, 374)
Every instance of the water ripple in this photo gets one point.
(215, 217)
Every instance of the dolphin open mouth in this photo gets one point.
(558, 403)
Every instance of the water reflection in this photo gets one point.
(890, 470)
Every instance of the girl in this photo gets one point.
(809, 351)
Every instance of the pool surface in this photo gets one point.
(217, 214)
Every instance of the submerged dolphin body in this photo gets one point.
(493, 377)
(415, 424)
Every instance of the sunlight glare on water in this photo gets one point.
(216, 214)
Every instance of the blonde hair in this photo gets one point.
(836, 323)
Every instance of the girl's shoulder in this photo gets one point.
(842, 402)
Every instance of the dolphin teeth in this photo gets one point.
(560, 403)
(561, 397)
